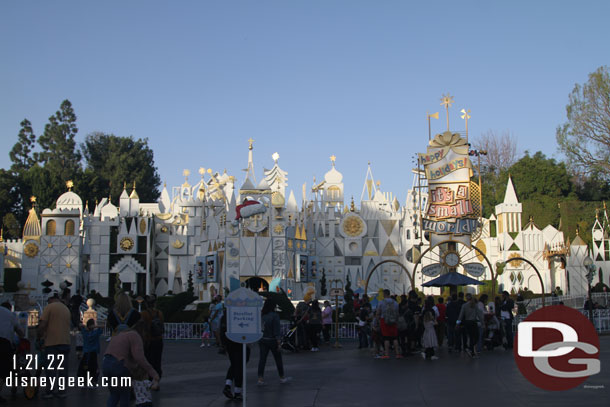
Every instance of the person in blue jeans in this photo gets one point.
(270, 342)
(124, 354)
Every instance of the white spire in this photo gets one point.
(250, 170)
(510, 197)
(369, 185)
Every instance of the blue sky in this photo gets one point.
(307, 79)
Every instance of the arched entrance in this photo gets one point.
(368, 278)
(257, 284)
(519, 259)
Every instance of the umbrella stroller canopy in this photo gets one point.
(451, 279)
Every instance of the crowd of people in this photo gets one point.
(408, 324)
(398, 325)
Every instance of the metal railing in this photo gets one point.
(193, 330)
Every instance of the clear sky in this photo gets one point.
(307, 79)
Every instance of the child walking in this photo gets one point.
(142, 387)
(206, 334)
(429, 340)
(91, 348)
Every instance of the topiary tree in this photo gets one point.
(323, 290)
(189, 284)
(348, 307)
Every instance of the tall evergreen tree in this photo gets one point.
(113, 161)
(59, 155)
(22, 152)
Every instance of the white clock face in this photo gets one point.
(452, 259)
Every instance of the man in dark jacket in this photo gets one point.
(506, 313)
(452, 313)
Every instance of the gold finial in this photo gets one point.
(531, 219)
(33, 199)
(352, 207)
(210, 171)
(378, 184)
(250, 141)
(447, 101)
(333, 158)
(604, 205)
(69, 185)
(577, 230)
(201, 171)
(164, 184)
(275, 156)
(124, 184)
(466, 116)
(1, 233)
(186, 173)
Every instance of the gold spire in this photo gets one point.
(69, 185)
(1, 233)
(124, 185)
(250, 142)
(134, 194)
(201, 172)
(333, 158)
(32, 229)
(352, 207)
(577, 230)
(597, 213)
(186, 174)
(33, 200)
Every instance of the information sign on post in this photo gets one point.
(244, 321)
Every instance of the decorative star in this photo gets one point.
(333, 158)
(69, 185)
(201, 171)
(275, 157)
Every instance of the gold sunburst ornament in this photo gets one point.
(126, 244)
(178, 244)
(30, 250)
(353, 226)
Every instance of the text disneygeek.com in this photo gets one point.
(62, 383)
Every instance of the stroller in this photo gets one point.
(289, 340)
(492, 334)
(23, 369)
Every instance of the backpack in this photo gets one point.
(156, 326)
(402, 324)
(390, 315)
(122, 322)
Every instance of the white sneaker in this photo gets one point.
(423, 355)
(285, 380)
(202, 345)
(434, 358)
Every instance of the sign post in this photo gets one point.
(244, 321)
(336, 291)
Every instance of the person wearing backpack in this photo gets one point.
(314, 324)
(123, 316)
(153, 333)
(388, 313)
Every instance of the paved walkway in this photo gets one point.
(351, 377)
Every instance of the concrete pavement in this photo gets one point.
(351, 377)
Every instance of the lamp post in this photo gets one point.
(590, 267)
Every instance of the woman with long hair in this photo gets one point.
(270, 342)
(123, 315)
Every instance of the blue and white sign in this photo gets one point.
(244, 316)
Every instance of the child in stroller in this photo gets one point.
(492, 334)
